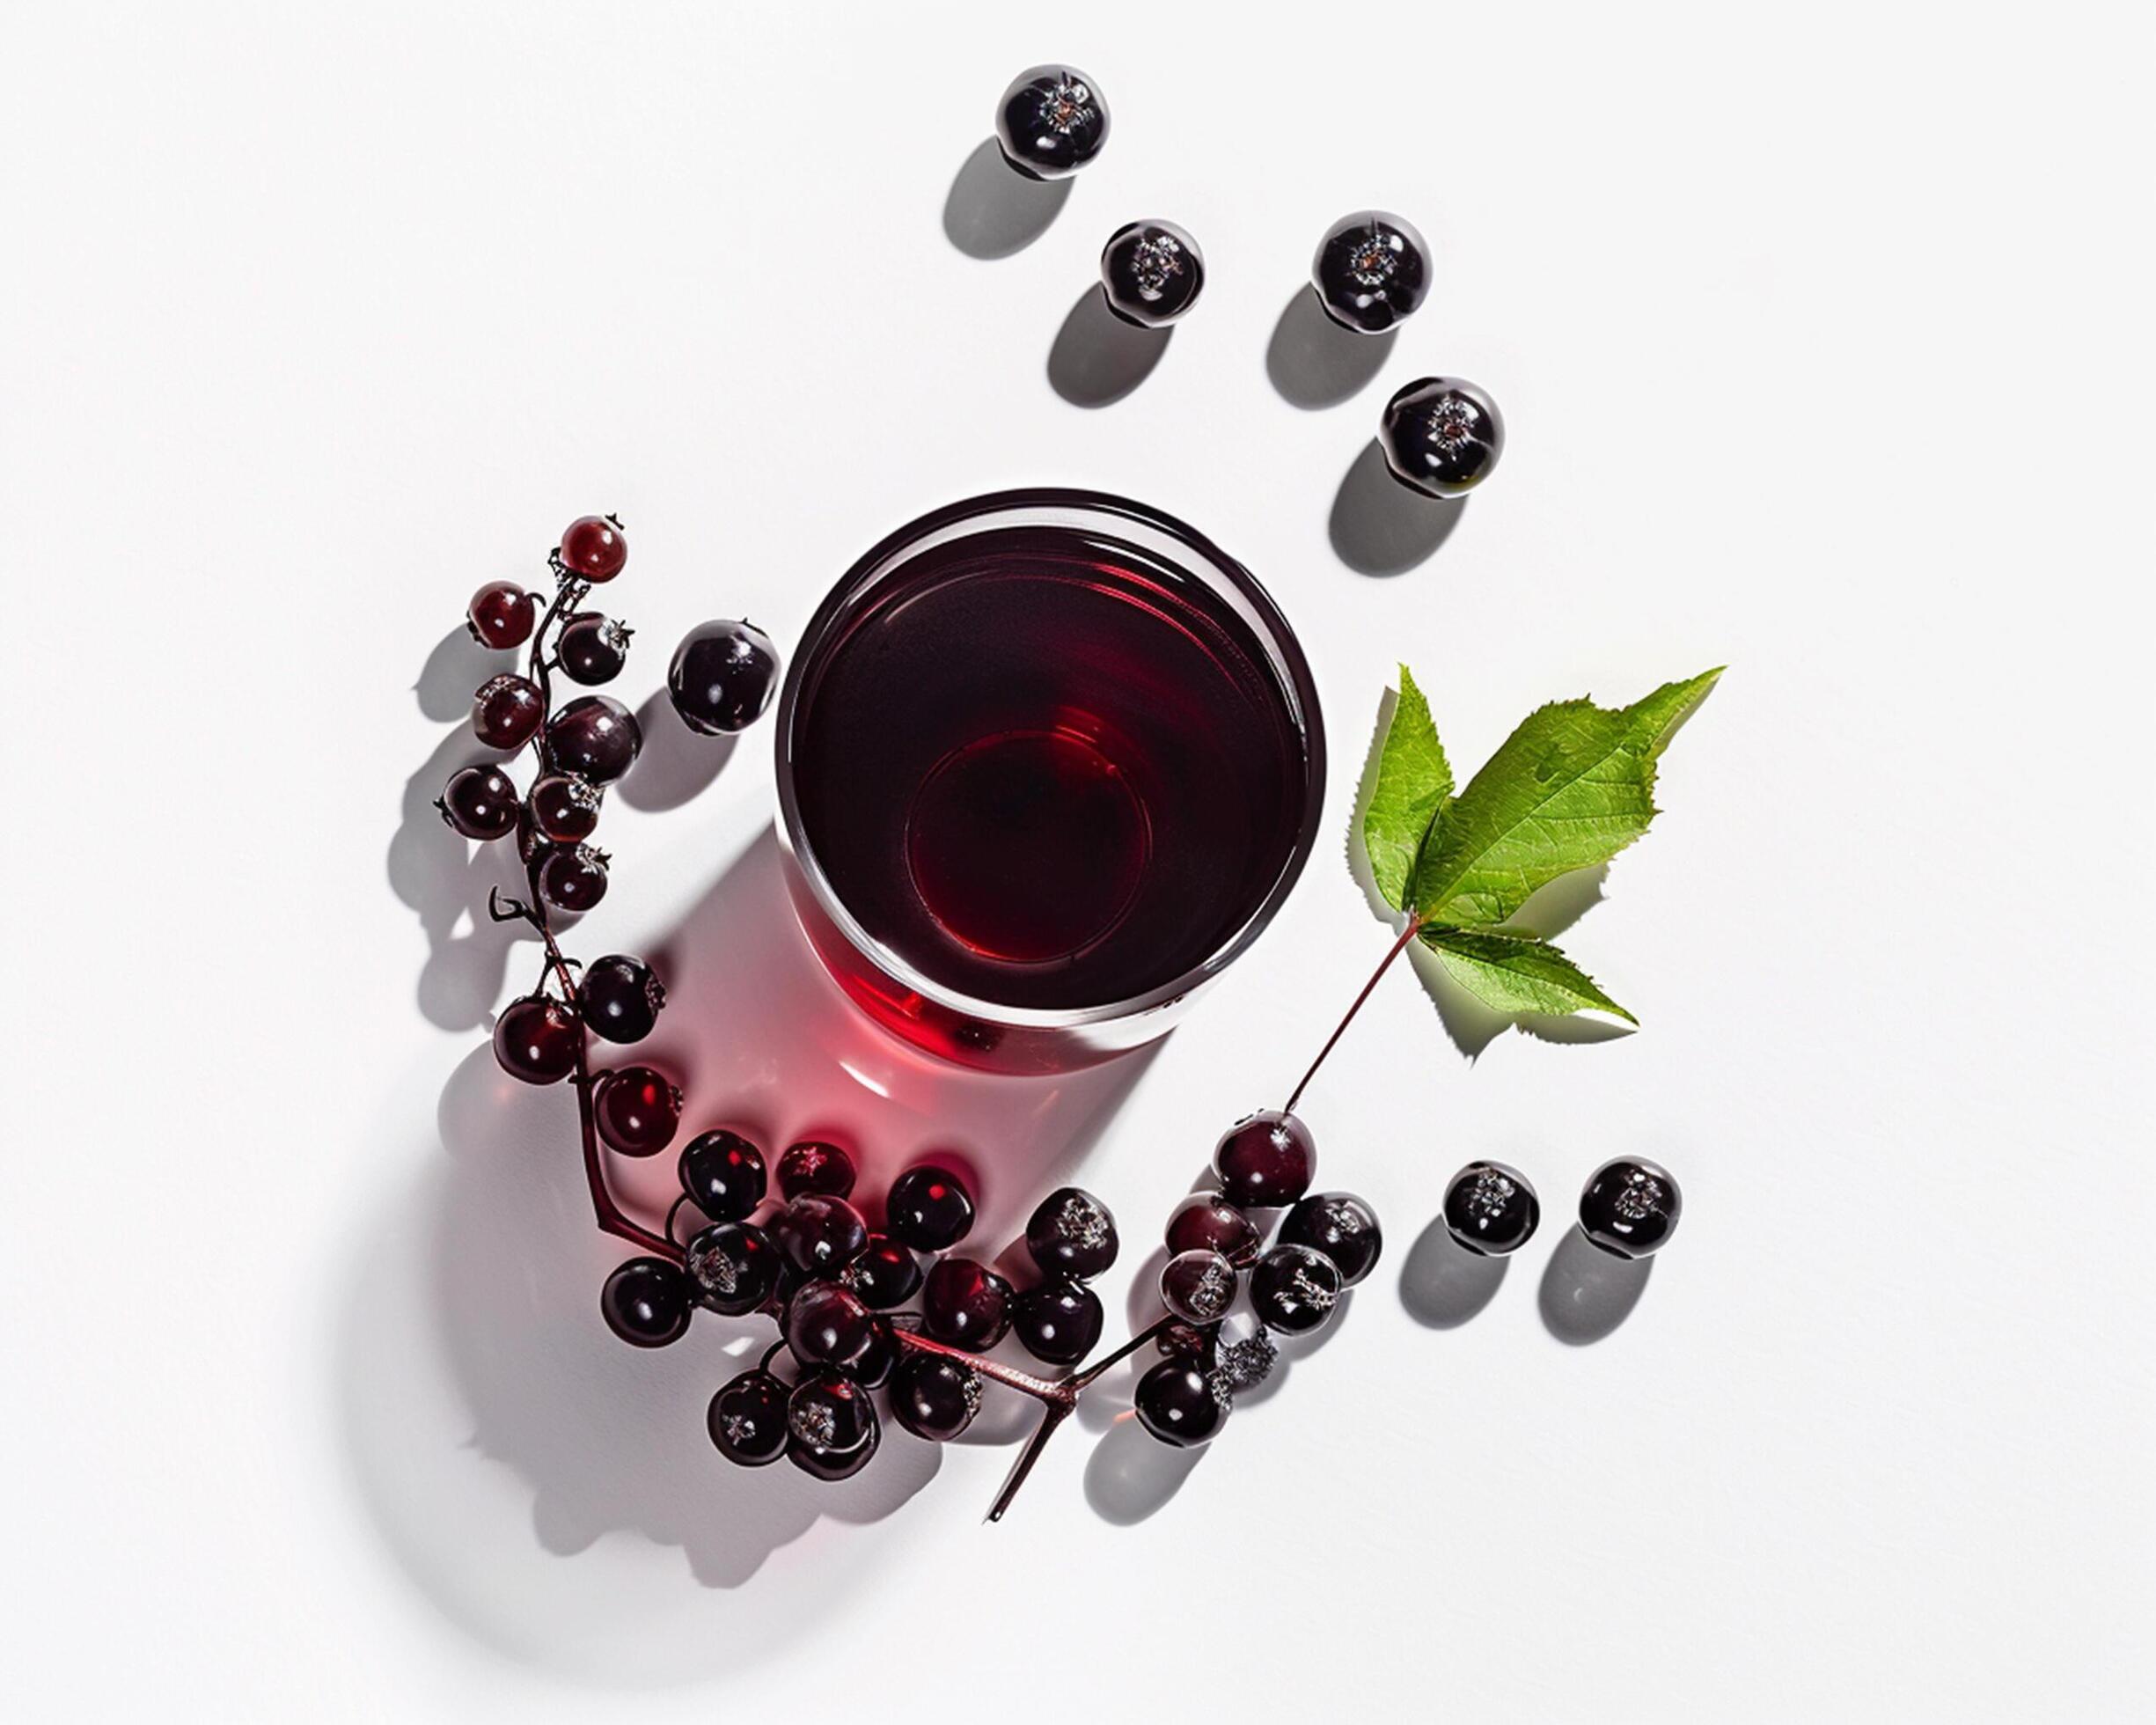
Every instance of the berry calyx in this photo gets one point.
(1176, 1403)
(819, 1234)
(1340, 1225)
(747, 1419)
(646, 1302)
(827, 1325)
(965, 1303)
(480, 803)
(929, 1208)
(594, 547)
(1072, 1233)
(733, 1268)
(934, 1397)
(1266, 1160)
(886, 1275)
(1206, 1219)
(573, 877)
(619, 997)
(1151, 273)
(722, 1173)
(829, 1414)
(592, 649)
(1630, 1208)
(1060, 1322)
(1295, 1289)
(812, 1165)
(1372, 270)
(500, 615)
(507, 711)
(536, 1039)
(564, 809)
(595, 738)
(1441, 436)
(1051, 122)
(637, 1110)
(722, 676)
(1490, 1209)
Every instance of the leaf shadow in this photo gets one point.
(1548, 913)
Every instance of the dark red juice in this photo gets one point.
(1048, 769)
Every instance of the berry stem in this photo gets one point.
(1061, 1409)
(1414, 927)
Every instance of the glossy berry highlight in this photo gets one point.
(1060, 1322)
(500, 615)
(507, 712)
(820, 1235)
(934, 1397)
(733, 1268)
(1176, 1403)
(1152, 273)
(827, 1325)
(1072, 1233)
(595, 738)
(480, 803)
(594, 547)
(646, 1302)
(572, 878)
(723, 676)
(929, 1208)
(1051, 122)
(592, 649)
(619, 998)
(1295, 1289)
(723, 1175)
(563, 808)
(1441, 436)
(638, 1111)
(965, 1304)
(1491, 1208)
(1265, 1161)
(1372, 270)
(1630, 1208)
(536, 1039)
(747, 1419)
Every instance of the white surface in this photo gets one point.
(1820, 338)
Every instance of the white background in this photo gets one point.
(1821, 334)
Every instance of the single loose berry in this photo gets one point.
(1490, 1209)
(1265, 1161)
(646, 1302)
(830, 1413)
(1198, 1286)
(1340, 1225)
(934, 1397)
(827, 1325)
(1629, 1207)
(507, 711)
(564, 809)
(820, 1235)
(747, 1419)
(594, 547)
(722, 676)
(812, 1165)
(1441, 436)
(1072, 1233)
(722, 1173)
(1059, 1322)
(573, 877)
(536, 1039)
(592, 649)
(733, 1268)
(1051, 122)
(1206, 1219)
(1176, 1402)
(500, 615)
(965, 1303)
(1295, 1289)
(596, 738)
(1372, 270)
(637, 1110)
(479, 801)
(619, 998)
(886, 1275)
(928, 1209)
(1152, 273)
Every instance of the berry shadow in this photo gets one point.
(676, 763)
(1131, 1474)
(1313, 363)
(1098, 358)
(993, 210)
(1442, 1284)
(1381, 527)
(1587, 1293)
(457, 665)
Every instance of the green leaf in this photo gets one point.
(1512, 974)
(1570, 788)
(1413, 780)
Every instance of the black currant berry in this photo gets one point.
(594, 547)
(827, 1325)
(934, 1397)
(1176, 1402)
(820, 1236)
(1051, 122)
(1340, 1225)
(965, 1303)
(1265, 1161)
(733, 1268)
(506, 711)
(1441, 436)
(831, 1465)
(872, 1369)
(1152, 273)
(747, 1419)
(592, 649)
(1208, 1220)
(722, 676)
(1489, 1209)
(1630, 1208)
(638, 1111)
(886, 1275)
(830, 1413)
(500, 615)
(1072, 1233)
(572, 878)
(564, 809)
(619, 998)
(479, 801)
(1294, 1290)
(723, 1172)
(536, 1039)
(1059, 1322)
(1372, 270)
(929, 1208)
(1198, 1286)
(814, 1166)
(596, 738)
(646, 1302)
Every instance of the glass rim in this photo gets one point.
(1056, 506)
